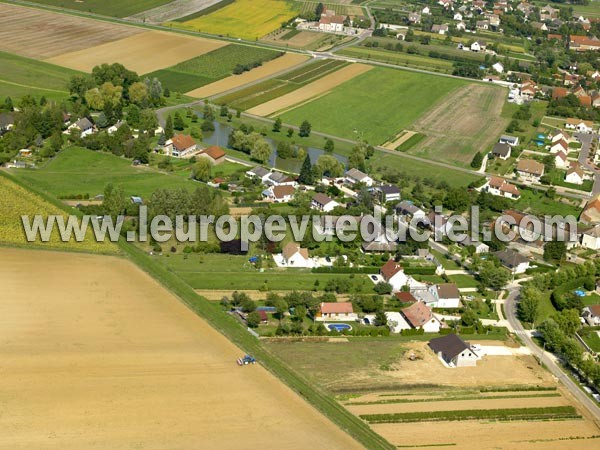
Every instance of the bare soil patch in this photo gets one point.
(39, 34)
(310, 91)
(143, 53)
(303, 39)
(173, 10)
(463, 123)
(95, 354)
(268, 69)
(402, 138)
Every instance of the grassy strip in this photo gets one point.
(517, 388)
(549, 413)
(229, 327)
(451, 399)
(205, 11)
(410, 142)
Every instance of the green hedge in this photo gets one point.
(333, 269)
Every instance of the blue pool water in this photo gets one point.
(579, 293)
(338, 327)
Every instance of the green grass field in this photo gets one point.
(111, 8)
(210, 67)
(248, 19)
(23, 76)
(76, 171)
(400, 59)
(276, 87)
(376, 105)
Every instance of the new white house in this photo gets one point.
(322, 202)
(453, 351)
(448, 295)
(296, 256)
(393, 273)
(513, 261)
(354, 176)
(336, 311)
(420, 317)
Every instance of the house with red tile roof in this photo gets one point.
(180, 146)
(336, 311)
(214, 154)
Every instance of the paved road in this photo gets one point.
(586, 146)
(510, 308)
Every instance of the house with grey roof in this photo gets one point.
(453, 351)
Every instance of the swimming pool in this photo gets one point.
(339, 327)
(579, 293)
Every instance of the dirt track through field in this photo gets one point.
(95, 354)
(142, 53)
(42, 34)
(311, 90)
(268, 69)
(404, 136)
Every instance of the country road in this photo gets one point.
(510, 307)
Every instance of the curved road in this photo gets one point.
(510, 308)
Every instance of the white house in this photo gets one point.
(419, 316)
(458, 16)
(336, 311)
(502, 188)
(498, 67)
(480, 247)
(478, 46)
(331, 24)
(406, 208)
(280, 194)
(502, 150)
(513, 261)
(575, 174)
(258, 172)
(448, 295)
(559, 146)
(180, 146)
(561, 161)
(530, 170)
(296, 256)
(591, 314)
(591, 238)
(393, 273)
(583, 126)
(85, 127)
(354, 176)
(388, 193)
(452, 350)
(322, 202)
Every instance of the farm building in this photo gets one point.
(336, 311)
(322, 202)
(453, 351)
(419, 316)
(214, 154)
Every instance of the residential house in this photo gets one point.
(575, 174)
(114, 128)
(591, 314)
(502, 151)
(336, 311)
(561, 136)
(405, 297)
(439, 224)
(214, 154)
(407, 208)
(591, 238)
(393, 273)
(180, 146)
(454, 351)
(560, 160)
(461, 26)
(498, 67)
(448, 295)
(84, 126)
(513, 261)
(584, 43)
(548, 13)
(513, 141)
(482, 24)
(258, 172)
(295, 256)
(378, 240)
(530, 170)
(7, 121)
(354, 176)
(502, 188)
(559, 146)
(388, 193)
(25, 153)
(540, 26)
(414, 17)
(458, 16)
(332, 24)
(582, 126)
(420, 317)
(439, 29)
(322, 202)
(528, 90)
(280, 194)
(395, 321)
(478, 46)
(591, 212)
(328, 225)
(279, 179)
(559, 92)
(480, 247)
(493, 19)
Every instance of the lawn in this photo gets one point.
(464, 281)
(112, 8)
(400, 59)
(536, 202)
(247, 19)
(75, 171)
(593, 340)
(23, 76)
(210, 67)
(223, 272)
(375, 105)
